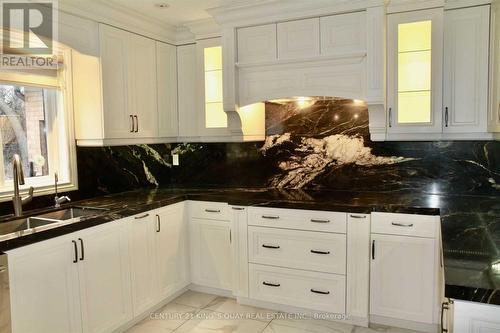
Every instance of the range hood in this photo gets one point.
(352, 67)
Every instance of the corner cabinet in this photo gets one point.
(436, 92)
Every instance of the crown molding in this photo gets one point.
(112, 14)
(205, 28)
(266, 11)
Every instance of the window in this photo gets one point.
(414, 72)
(215, 117)
(35, 124)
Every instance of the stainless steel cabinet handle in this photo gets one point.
(238, 208)
(271, 284)
(409, 225)
(320, 252)
(136, 123)
(357, 216)
(158, 223)
(270, 217)
(141, 216)
(320, 292)
(212, 210)
(75, 248)
(320, 221)
(132, 124)
(270, 246)
(230, 236)
(390, 117)
(446, 117)
(3, 269)
(82, 257)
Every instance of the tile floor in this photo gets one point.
(194, 312)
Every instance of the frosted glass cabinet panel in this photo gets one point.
(415, 54)
(214, 119)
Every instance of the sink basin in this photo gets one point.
(71, 213)
(25, 226)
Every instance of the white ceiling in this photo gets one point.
(178, 12)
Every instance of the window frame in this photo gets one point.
(44, 185)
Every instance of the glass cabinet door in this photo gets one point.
(414, 70)
(213, 120)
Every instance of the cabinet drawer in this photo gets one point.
(322, 252)
(209, 210)
(405, 224)
(298, 219)
(311, 290)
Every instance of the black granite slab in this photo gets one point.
(470, 274)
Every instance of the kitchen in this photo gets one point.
(251, 166)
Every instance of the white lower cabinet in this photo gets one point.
(469, 317)
(211, 260)
(172, 249)
(404, 270)
(75, 283)
(158, 254)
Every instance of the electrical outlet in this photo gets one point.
(175, 159)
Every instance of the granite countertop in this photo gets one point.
(470, 224)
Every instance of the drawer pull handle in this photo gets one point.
(320, 221)
(270, 217)
(409, 225)
(320, 292)
(276, 285)
(320, 252)
(238, 208)
(358, 216)
(270, 246)
(212, 210)
(141, 216)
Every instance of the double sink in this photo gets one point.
(24, 226)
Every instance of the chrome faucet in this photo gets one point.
(59, 200)
(17, 200)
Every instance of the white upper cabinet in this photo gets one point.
(212, 120)
(414, 68)
(128, 63)
(166, 75)
(257, 44)
(437, 74)
(343, 34)
(142, 85)
(187, 90)
(118, 119)
(298, 39)
(466, 56)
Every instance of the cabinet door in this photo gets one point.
(212, 120)
(143, 262)
(469, 317)
(104, 275)
(172, 258)
(211, 261)
(166, 71)
(114, 55)
(466, 52)
(402, 280)
(44, 287)
(187, 90)
(142, 85)
(414, 71)
(298, 39)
